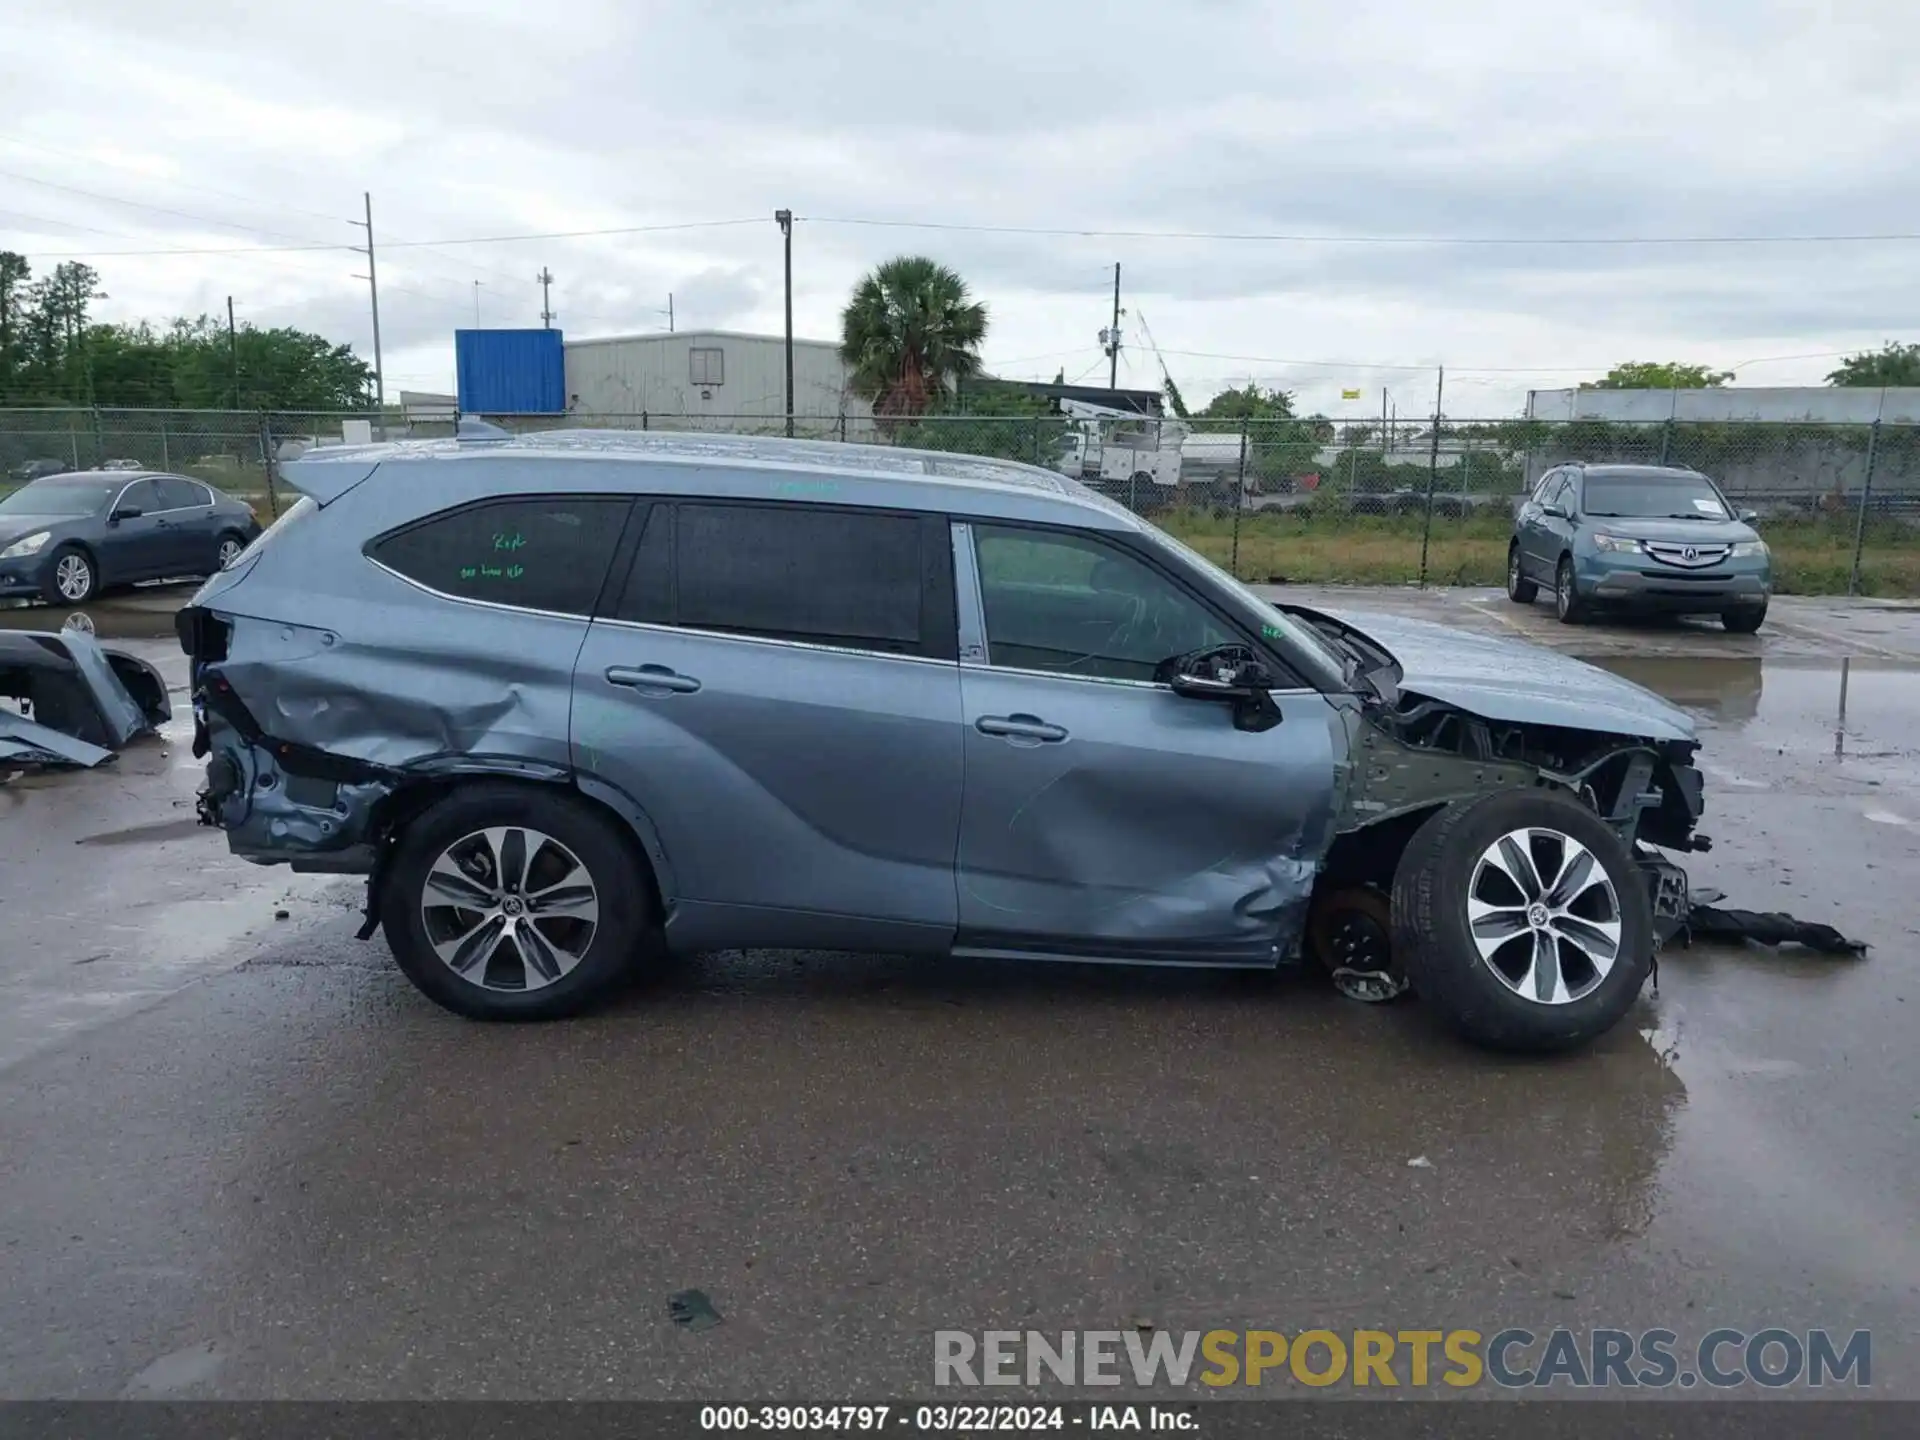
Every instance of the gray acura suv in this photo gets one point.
(573, 699)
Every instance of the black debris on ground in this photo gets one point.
(692, 1309)
(1710, 923)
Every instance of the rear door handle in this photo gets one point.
(1019, 727)
(656, 678)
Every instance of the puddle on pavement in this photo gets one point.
(1854, 714)
(144, 613)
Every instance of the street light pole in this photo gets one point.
(785, 221)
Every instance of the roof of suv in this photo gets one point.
(886, 474)
(704, 449)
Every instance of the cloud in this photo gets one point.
(1379, 118)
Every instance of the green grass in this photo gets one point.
(1811, 557)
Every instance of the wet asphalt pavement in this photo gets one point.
(242, 1158)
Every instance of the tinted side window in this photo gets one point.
(180, 494)
(789, 572)
(1077, 605)
(535, 552)
(141, 496)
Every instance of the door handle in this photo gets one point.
(1019, 727)
(652, 677)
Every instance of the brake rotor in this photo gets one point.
(1350, 933)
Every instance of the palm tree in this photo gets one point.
(910, 332)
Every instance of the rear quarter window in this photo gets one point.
(797, 573)
(534, 553)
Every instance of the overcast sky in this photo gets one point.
(246, 124)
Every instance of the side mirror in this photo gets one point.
(125, 512)
(1747, 517)
(1246, 690)
(1558, 512)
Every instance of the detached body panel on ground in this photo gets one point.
(74, 703)
(570, 698)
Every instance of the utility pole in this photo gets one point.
(233, 355)
(1433, 471)
(476, 304)
(546, 301)
(373, 290)
(785, 220)
(669, 312)
(1112, 337)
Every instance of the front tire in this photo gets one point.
(1524, 918)
(1746, 620)
(505, 902)
(1567, 604)
(1520, 590)
(72, 577)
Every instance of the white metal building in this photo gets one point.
(1801, 403)
(714, 379)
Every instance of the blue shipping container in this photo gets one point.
(510, 372)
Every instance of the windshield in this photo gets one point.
(1654, 497)
(1307, 643)
(60, 498)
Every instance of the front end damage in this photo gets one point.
(1412, 755)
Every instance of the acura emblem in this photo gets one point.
(1690, 553)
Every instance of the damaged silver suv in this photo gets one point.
(576, 697)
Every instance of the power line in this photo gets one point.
(45, 148)
(408, 244)
(1312, 239)
(225, 224)
(156, 209)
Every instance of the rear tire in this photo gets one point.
(1746, 620)
(227, 549)
(552, 927)
(1567, 603)
(1521, 983)
(1520, 590)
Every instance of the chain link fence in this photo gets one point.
(1271, 498)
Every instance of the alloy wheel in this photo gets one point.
(73, 577)
(509, 908)
(1544, 916)
(229, 551)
